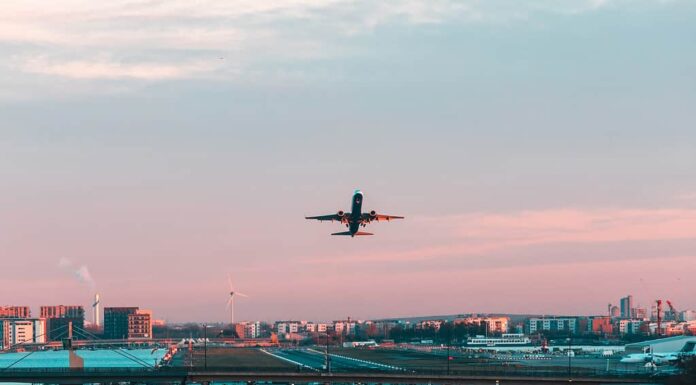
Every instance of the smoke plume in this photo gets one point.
(81, 273)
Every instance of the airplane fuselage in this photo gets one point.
(355, 218)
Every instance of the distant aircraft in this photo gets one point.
(650, 357)
(354, 219)
(654, 358)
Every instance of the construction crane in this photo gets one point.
(659, 317)
(675, 313)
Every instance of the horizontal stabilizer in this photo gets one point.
(348, 233)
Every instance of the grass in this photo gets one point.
(232, 358)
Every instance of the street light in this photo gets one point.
(449, 342)
(205, 346)
(570, 342)
(328, 356)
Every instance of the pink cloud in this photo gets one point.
(488, 233)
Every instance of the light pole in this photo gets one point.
(328, 356)
(205, 346)
(570, 342)
(449, 341)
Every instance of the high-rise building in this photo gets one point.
(60, 317)
(15, 312)
(22, 331)
(121, 323)
(116, 322)
(627, 307)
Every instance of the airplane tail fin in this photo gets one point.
(348, 233)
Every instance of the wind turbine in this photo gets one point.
(230, 301)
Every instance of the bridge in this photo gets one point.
(182, 376)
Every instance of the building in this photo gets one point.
(430, 324)
(628, 326)
(553, 324)
(600, 325)
(627, 306)
(252, 329)
(492, 324)
(15, 312)
(615, 312)
(688, 315)
(59, 318)
(140, 325)
(116, 322)
(22, 331)
(63, 311)
(640, 313)
(287, 327)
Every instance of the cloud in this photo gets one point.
(105, 69)
(146, 40)
(541, 237)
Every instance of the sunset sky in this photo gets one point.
(543, 153)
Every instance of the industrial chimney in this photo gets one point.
(96, 311)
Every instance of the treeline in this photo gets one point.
(448, 332)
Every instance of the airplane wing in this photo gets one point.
(380, 217)
(330, 217)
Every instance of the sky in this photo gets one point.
(542, 152)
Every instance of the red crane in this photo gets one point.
(659, 317)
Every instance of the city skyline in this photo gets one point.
(542, 154)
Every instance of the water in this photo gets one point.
(92, 358)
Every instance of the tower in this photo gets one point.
(96, 306)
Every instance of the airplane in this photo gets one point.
(654, 358)
(650, 357)
(356, 218)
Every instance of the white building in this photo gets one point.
(567, 324)
(343, 327)
(252, 329)
(287, 327)
(628, 326)
(22, 330)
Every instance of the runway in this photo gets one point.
(315, 360)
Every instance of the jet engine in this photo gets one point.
(341, 214)
(373, 213)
